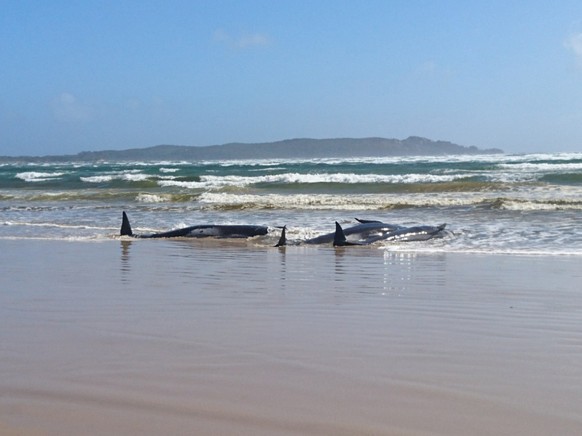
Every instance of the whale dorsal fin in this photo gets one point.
(339, 238)
(125, 226)
(283, 239)
(361, 221)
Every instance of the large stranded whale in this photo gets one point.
(199, 231)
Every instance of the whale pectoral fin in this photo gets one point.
(283, 239)
(125, 226)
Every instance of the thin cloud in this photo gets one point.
(242, 42)
(67, 108)
(221, 36)
(430, 69)
(574, 43)
(254, 40)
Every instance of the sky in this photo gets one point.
(95, 75)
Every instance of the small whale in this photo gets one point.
(199, 231)
(365, 229)
(409, 234)
(404, 234)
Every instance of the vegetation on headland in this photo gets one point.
(286, 149)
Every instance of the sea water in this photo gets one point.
(523, 204)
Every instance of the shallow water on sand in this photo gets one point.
(231, 337)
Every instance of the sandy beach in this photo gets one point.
(175, 337)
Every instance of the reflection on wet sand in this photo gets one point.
(399, 271)
(125, 259)
(213, 263)
(403, 270)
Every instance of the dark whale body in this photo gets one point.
(365, 229)
(409, 234)
(199, 231)
(367, 232)
(403, 234)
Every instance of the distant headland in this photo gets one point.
(303, 148)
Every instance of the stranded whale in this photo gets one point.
(199, 231)
(402, 234)
(367, 232)
(365, 229)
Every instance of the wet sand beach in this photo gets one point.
(152, 337)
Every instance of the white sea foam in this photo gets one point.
(538, 205)
(35, 176)
(215, 182)
(97, 179)
(55, 225)
(135, 177)
(517, 201)
(331, 201)
(493, 158)
(542, 167)
(362, 160)
(131, 176)
(182, 184)
(152, 198)
(424, 247)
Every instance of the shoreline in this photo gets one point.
(435, 247)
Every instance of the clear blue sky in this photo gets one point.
(92, 75)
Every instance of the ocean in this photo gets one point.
(523, 204)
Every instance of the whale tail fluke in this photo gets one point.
(283, 239)
(125, 226)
